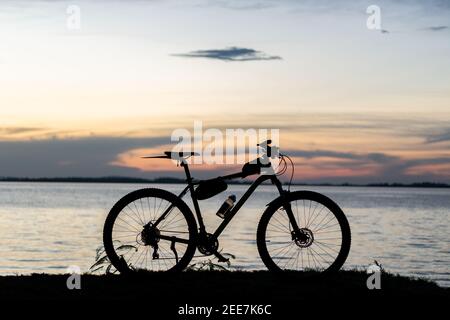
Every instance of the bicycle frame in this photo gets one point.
(233, 211)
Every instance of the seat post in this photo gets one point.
(184, 164)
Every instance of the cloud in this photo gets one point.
(436, 28)
(309, 154)
(374, 156)
(441, 137)
(329, 6)
(240, 4)
(411, 157)
(19, 130)
(372, 167)
(89, 156)
(97, 156)
(229, 54)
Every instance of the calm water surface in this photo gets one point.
(46, 227)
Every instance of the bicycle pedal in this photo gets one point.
(220, 257)
(223, 260)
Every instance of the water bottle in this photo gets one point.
(226, 206)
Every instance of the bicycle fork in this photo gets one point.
(296, 233)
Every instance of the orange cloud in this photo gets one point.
(435, 169)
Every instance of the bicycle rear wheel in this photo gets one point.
(324, 241)
(132, 240)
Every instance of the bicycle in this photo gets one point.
(155, 230)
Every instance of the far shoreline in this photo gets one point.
(170, 180)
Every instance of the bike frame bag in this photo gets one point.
(209, 188)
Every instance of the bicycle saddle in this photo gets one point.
(173, 155)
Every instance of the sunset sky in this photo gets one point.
(352, 104)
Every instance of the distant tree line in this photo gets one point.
(118, 179)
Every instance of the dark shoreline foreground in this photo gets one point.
(194, 287)
(225, 295)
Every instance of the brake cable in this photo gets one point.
(284, 169)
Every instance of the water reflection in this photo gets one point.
(46, 227)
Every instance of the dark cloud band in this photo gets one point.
(437, 28)
(229, 54)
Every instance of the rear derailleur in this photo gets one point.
(149, 236)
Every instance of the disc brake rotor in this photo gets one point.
(304, 238)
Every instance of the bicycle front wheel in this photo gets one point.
(322, 243)
(136, 239)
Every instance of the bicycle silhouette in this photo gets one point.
(155, 230)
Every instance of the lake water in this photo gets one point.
(46, 227)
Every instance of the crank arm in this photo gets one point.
(220, 257)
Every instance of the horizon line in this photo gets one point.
(175, 180)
